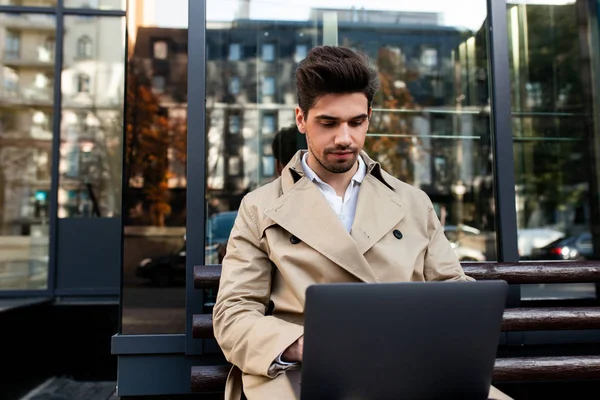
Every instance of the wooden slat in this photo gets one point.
(515, 319)
(546, 368)
(209, 378)
(556, 318)
(536, 272)
(517, 273)
(207, 276)
(202, 327)
(518, 369)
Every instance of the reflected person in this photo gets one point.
(285, 145)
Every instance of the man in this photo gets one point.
(334, 215)
(284, 147)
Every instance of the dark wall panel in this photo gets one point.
(88, 254)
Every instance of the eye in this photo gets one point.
(328, 124)
(357, 122)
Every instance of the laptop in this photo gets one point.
(411, 340)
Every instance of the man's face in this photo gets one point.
(336, 129)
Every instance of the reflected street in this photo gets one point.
(153, 310)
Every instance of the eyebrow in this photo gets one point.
(325, 117)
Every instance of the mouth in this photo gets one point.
(342, 154)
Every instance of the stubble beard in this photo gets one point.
(337, 167)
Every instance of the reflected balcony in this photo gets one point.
(41, 60)
(26, 140)
(28, 22)
(26, 97)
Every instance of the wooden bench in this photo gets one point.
(537, 316)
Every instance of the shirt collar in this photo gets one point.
(358, 177)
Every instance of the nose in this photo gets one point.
(343, 138)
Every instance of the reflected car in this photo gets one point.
(578, 247)
(163, 271)
(536, 238)
(169, 269)
(464, 252)
(218, 228)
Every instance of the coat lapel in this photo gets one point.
(378, 211)
(303, 211)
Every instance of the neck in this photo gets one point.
(338, 181)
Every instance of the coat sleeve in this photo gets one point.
(441, 262)
(249, 339)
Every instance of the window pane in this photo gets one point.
(269, 86)
(161, 50)
(268, 52)
(102, 4)
(234, 52)
(234, 85)
(430, 125)
(153, 299)
(92, 115)
(300, 54)
(268, 124)
(551, 126)
(26, 97)
(234, 124)
(158, 84)
(84, 45)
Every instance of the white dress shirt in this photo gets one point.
(345, 208)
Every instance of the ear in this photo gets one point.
(300, 121)
(370, 112)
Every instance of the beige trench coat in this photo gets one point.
(263, 264)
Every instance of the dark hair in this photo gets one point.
(285, 144)
(334, 69)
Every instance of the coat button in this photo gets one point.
(397, 234)
(294, 240)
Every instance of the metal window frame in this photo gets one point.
(502, 141)
(59, 12)
(196, 166)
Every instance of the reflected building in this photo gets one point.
(92, 103)
(250, 92)
(27, 45)
(92, 113)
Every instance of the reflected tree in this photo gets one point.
(551, 81)
(147, 143)
(391, 139)
(110, 153)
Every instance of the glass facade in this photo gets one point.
(155, 174)
(553, 124)
(61, 123)
(431, 120)
(27, 49)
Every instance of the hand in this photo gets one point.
(294, 352)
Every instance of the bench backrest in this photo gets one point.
(527, 316)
